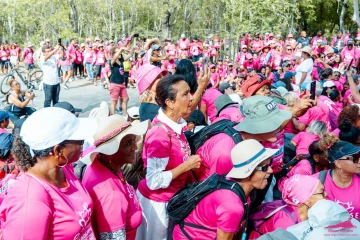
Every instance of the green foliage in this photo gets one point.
(35, 20)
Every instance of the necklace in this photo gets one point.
(130, 190)
(184, 146)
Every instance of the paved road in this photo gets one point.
(82, 94)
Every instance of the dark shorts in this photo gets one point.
(4, 64)
(196, 58)
(29, 66)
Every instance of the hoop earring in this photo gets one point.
(67, 160)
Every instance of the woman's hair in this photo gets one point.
(165, 90)
(350, 113)
(288, 85)
(290, 98)
(187, 70)
(318, 88)
(22, 155)
(112, 50)
(326, 73)
(324, 143)
(145, 96)
(10, 82)
(317, 127)
(334, 94)
(348, 132)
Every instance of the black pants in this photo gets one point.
(25, 111)
(78, 68)
(126, 78)
(51, 94)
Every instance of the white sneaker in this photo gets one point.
(65, 86)
(95, 83)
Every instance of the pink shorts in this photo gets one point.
(118, 91)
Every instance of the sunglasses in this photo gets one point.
(336, 75)
(77, 142)
(288, 49)
(323, 193)
(264, 168)
(354, 158)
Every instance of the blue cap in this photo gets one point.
(279, 84)
(3, 115)
(289, 75)
(66, 42)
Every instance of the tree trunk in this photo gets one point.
(165, 27)
(356, 12)
(73, 16)
(342, 14)
(123, 30)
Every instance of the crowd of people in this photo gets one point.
(279, 123)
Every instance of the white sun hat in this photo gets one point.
(110, 133)
(246, 156)
(50, 126)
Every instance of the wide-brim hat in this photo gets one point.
(253, 84)
(146, 74)
(110, 133)
(222, 102)
(246, 156)
(306, 49)
(150, 41)
(262, 115)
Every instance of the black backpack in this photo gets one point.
(291, 164)
(196, 140)
(187, 198)
(79, 169)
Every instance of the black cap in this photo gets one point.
(249, 70)
(197, 117)
(67, 106)
(195, 37)
(342, 149)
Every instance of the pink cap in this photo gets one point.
(248, 56)
(290, 35)
(146, 74)
(212, 66)
(299, 188)
(243, 46)
(277, 45)
(271, 35)
(278, 35)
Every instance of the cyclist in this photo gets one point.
(28, 56)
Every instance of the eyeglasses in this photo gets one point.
(336, 75)
(16, 84)
(77, 142)
(354, 158)
(264, 168)
(323, 193)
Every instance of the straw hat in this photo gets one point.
(110, 133)
(306, 49)
(150, 41)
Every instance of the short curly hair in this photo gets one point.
(349, 113)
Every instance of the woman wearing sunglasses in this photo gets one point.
(47, 201)
(342, 183)
(219, 214)
(300, 193)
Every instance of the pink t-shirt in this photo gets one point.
(316, 113)
(36, 209)
(336, 108)
(302, 168)
(221, 209)
(346, 197)
(171, 50)
(256, 45)
(278, 157)
(348, 55)
(336, 132)
(208, 99)
(116, 205)
(89, 55)
(169, 65)
(104, 72)
(231, 113)
(214, 77)
(279, 220)
(28, 56)
(100, 58)
(3, 55)
(303, 140)
(215, 156)
(195, 48)
(240, 58)
(79, 57)
(158, 145)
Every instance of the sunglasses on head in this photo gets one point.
(354, 158)
(264, 168)
(77, 142)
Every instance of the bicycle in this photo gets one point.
(34, 80)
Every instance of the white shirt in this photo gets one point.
(49, 69)
(305, 66)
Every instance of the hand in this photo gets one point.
(57, 47)
(31, 97)
(204, 77)
(193, 162)
(302, 105)
(349, 73)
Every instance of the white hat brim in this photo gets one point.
(247, 170)
(112, 146)
(86, 128)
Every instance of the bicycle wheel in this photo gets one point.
(4, 87)
(36, 77)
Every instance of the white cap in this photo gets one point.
(336, 70)
(271, 42)
(97, 38)
(133, 112)
(29, 44)
(243, 46)
(183, 35)
(50, 126)
(329, 84)
(42, 43)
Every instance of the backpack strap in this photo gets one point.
(291, 212)
(322, 176)
(313, 169)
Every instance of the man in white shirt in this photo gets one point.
(51, 82)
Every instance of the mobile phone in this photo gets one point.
(312, 90)
(350, 64)
(205, 62)
(59, 41)
(136, 35)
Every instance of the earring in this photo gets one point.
(172, 113)
(61, 166)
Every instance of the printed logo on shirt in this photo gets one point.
(86, 232)
(349, 208)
